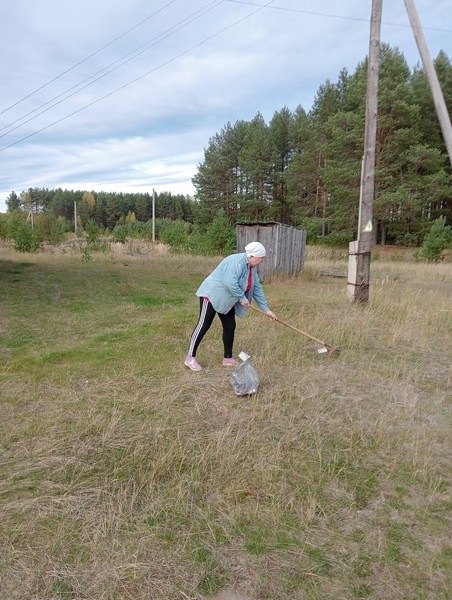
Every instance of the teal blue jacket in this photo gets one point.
(225, 286)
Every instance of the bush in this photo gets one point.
(198, 242)
(336, 238)
(407, 239)
(313, 227)
(220, 235)
(18, 228)
(140, 230)
(4, 225)
(93, 231)
(49, 227)
(57, 231)
(438, 239)
(26, 239)
(173, 233)
(119, 234)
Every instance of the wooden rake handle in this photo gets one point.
(311, 337)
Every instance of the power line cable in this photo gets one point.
(164, 64)
(87, 57)
(122, 61)
(133, 54)
(319, 14)
(258, 9)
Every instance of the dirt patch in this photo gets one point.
(139, 248)
(131, 247)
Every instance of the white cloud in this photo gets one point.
(204, 71)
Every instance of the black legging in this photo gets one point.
(206, 316)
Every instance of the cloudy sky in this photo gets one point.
(124, 96)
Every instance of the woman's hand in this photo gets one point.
(245, 302)
(272, 315)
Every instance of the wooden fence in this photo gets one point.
(285, 246)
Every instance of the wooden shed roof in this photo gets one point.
(264, 223)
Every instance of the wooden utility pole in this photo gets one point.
(360, 250)
(153, 215)
(432, 77)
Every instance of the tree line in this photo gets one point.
(304, 168)
(106, 209)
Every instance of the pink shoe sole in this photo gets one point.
(192, 363)
(229, 362)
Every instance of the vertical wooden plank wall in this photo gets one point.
(285, 246)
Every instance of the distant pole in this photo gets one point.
(153, 215)
(364, 244)
(30, 216)
(75, 216)
(432, 77)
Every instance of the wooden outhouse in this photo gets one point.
(285, 246)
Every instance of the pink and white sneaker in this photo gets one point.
(229, 362)
(192, 363)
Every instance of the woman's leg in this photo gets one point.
(228, 322)
(206, 316)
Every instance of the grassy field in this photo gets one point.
(126, 476)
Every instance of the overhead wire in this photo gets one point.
(344, 17)
(140, 50)
(160, 66)
(80, 62)
(107, 70)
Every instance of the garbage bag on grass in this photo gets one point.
(245, 379)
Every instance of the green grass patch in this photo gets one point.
(125, 475)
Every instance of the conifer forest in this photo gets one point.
(303, 168)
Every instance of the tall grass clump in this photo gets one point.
(125, 475)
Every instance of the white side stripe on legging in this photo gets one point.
(202, 316)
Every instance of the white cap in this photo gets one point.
(255, 249)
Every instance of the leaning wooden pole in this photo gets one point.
(432, 77)
(365, 225)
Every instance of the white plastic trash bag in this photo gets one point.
(244, 378)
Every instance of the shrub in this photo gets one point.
(173, 233)
(198, 242)
(49, 227)
(337, 238)
(4, 224)
(57, 231)
(140, 230)
(119, 234)
(407, 239)
(313, 227)
(26, 239)
(93, 231)
(437, 239)
(220, 235)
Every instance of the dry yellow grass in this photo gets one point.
(125, 475)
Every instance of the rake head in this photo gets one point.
(329, 350)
